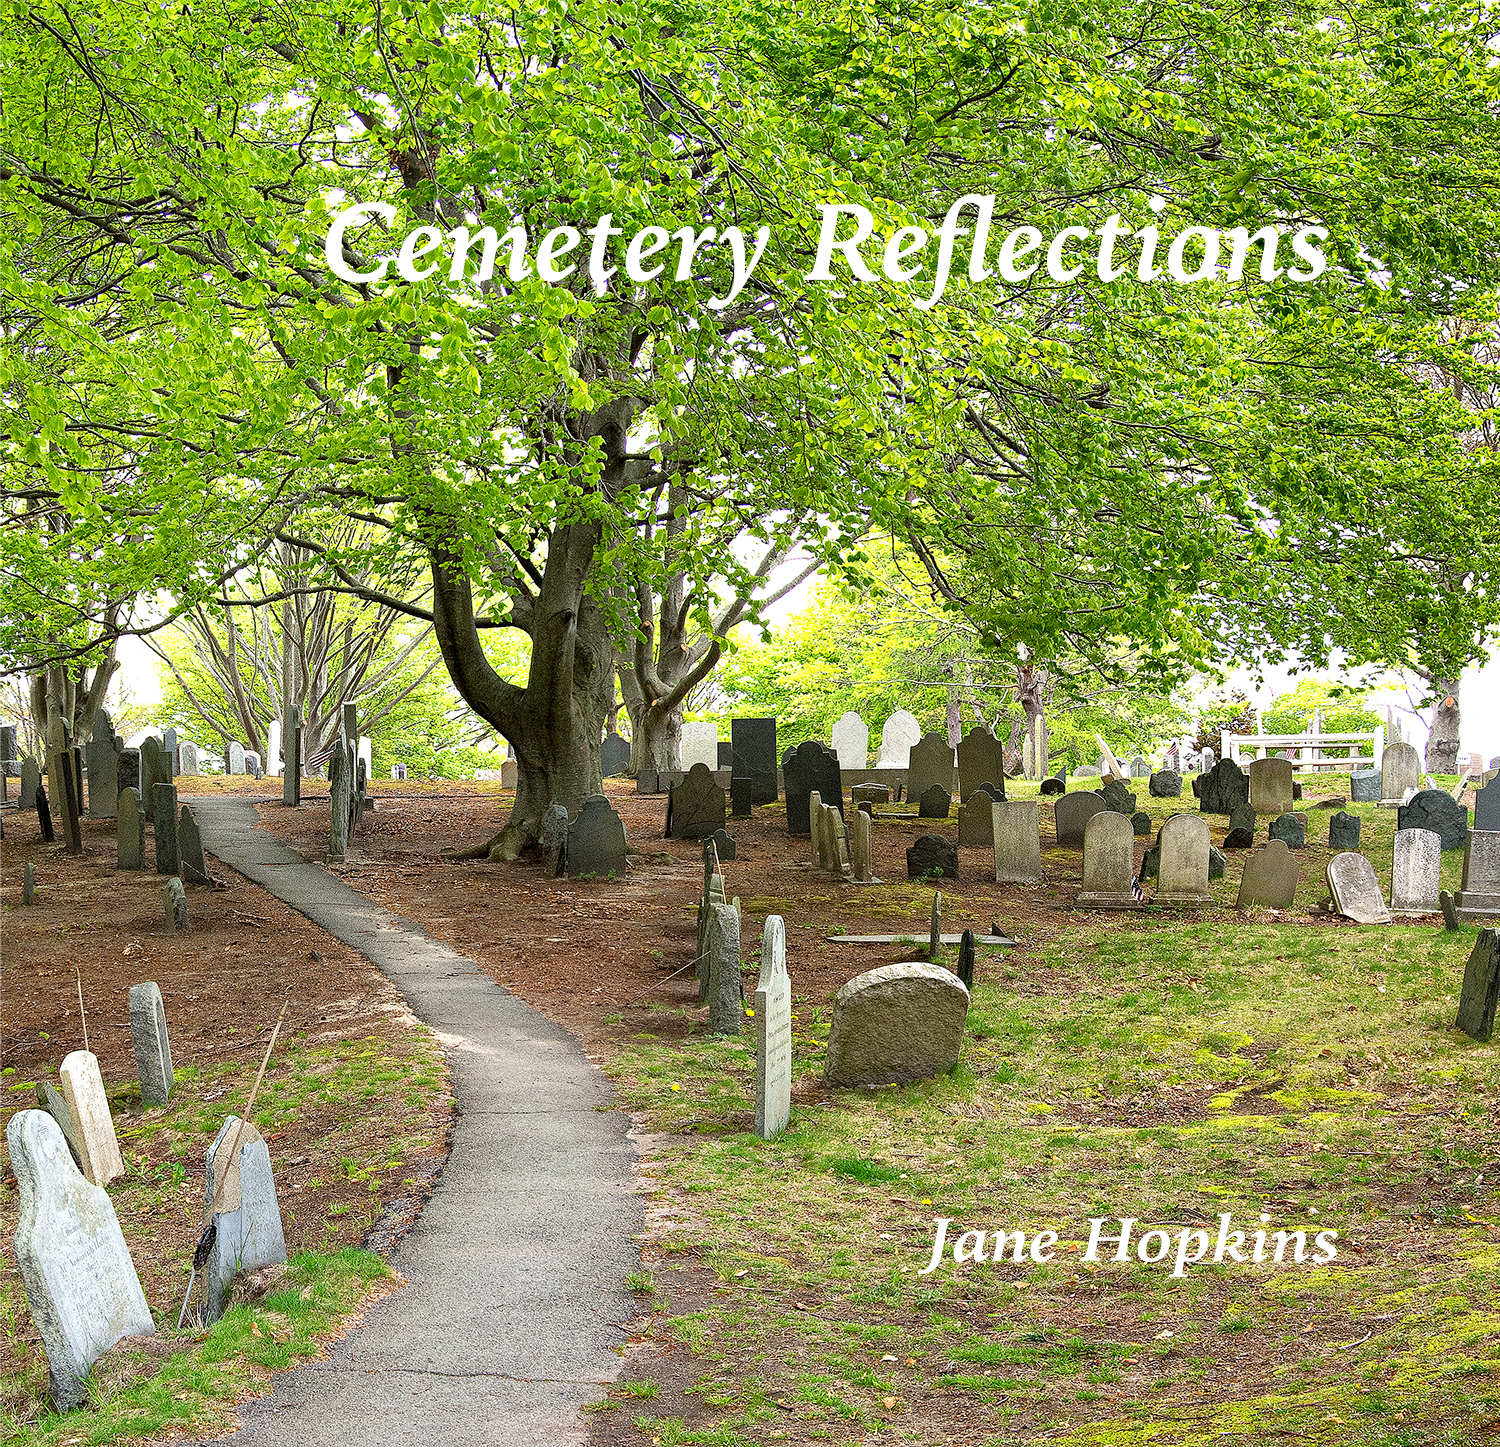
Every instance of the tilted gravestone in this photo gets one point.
(1291, 829)
(1270, 878)
(1183, 862)
(1481, 987)
(931, 762)
(965, 967)
(1108, 857)
(1400, 770)
(596, 840)
(614, 756)
(104, 769)
(31, 778)
(190, 856)
(1117, 797)
(1241, 833)
(1070, 817)
(851, 741)
(807, 769)
(699, 745)
(1416, 861)
(80, 1282)
(153, 1052)
(981, 761)
(1165, 784)
(752, 744)
(695, 807)
(174, 904)
(935, 802)
(247, 1219)
(976, 821)
(773, 1033)
(44, 815)
(93, 1125)
(1225, 788)
(1440, 812)
(1018, 841)
(1355, 890)
(1053, 786)
(1364, 786)
(932, 856)
(895, 1024)
(189, 755)
(898, 735)
(1343, 831)
(130, 832)
(870, 794)
(726, 1009)
(1271, 786)
(164, 827)
(50, 1099)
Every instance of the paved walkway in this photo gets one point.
(517, 1265)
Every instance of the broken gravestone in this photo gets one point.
(247, 1220)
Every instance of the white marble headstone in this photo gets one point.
(1415, 864)
(851, 741)
(773, 1033)
(1355, 889)
(236, 757)
(900, 732)
(93, 1125)
(700, 745)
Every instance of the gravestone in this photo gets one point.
(726, 755)
(931, 762)
(898, 735)
(700, 745)
(153, 1052)
(647, 781)
(965, 967)
(1165, 784)
(291, 776)
(1139, 768)
(104, 769)
(1070, 817)
(752, 743)
(28, 884)
(1415, 863)
(72, 803)
(127, 766)
(896, 1024)
(934, 803)
(1117, 796)
(723, 842)
(695, 807)
(931, 856)
(80, 1282)
(1481, 987)
(189, 755)
(1241, 833)
(596, 840)
(935, 926)
(398, 771)
(174, 904)
(726, 1007)
(192, 862)
(552, 840)
(870, 794)
(1343, 831)
(1487, 808)
(773, 1033)
(741, 795)
(614, 756)
(338, 803)
(247, 1218)
(1440, 812)
(50, 1100)
(981, 761)
(253, 765)
(1088, 771)
(1053, 786)
(1355, 890)
(93, 1126)
(273, 748)
(1108, 857)
(1217, 863)
(130, 832)
(1183, 864)
(153, 767)
(807, 769)
(169, 750)
(510, 771)
(164, 827)
(1400, 770)
(851, 741)
(43, 815)
(1018, 842)
(1478, 901)
(1271, 786)
(1291, 829)
(31, 778)
(9, 749)
(1364, 786)
(976, 823)
(860, 846)
(1225, 788)
(1270, 877)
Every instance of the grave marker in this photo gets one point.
(898, 735)
(1364, 786)
(976, 820)
(43, 815)
(1343, 831)
(1182, 865)
(1478, 901)
(1440, 812)
(810, 768)
(1481, 987)
(130, 832)
(1225, 788)
(596, 840)
(93, 1126)
(700, 745)
(723, 842)
(1070, 817)
(31, 778)
(1018, 841)
(169, 752)
(860, 852)
(338, 803)
(52, 1102)
(931, 856)
(726, 1002)
(1108, 857)
(192, 861)
(741, 795)
(931, 762)
(895, 1024)
(1355, 890)
(935, 926)
(935, 803)
(981, 760)
(695, 807)
(870, 794)
(153, 1052)
(247, 1232)
(1400, 770)
(851, 741)
(614, 756)
(965, 970)
(72, 829)
(189, 755)
(174, 904)
(164, 826)
(773, 1033)
(104, 769)
(1270, 877)
(1165, 784)
(1415, 863)
(752, 744)
(1291, 829)
(1271, 786)
(1487, 807)
(28, 884)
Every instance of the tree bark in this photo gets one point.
(1442, 742)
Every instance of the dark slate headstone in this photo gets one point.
(1197, 786)
(723, 842)
(725, 757)
(1116, 794)
(190, 849)
(1290, 829)
(1053, 786)
(935, 803)
(1364, 786)
(44, 814)
(8, 749)
(1165, 784)
(31, 776)
(153, 766)
(1441, 813)
(1296, 790)
(695, 807)
(1481, 987)
(1140, 823)
(752, 745)
(1225, 788)
(1487, 807)
(614, 755)
(1070, 817)
(596, 840)
(552, 839)
(130, 832)
(169, 748)
(72, 802)
(1241, 833)
(648, 781)
(965, 970)
(291, 776)
(128, 770)
(104, 769)
(1217, 863)
(931, 855)
(1343, 831)
(930, 762)
(810, 768)
(164, 826)
(981, 760)
(741, 795)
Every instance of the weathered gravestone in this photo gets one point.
(726, 1008)
(1089, 771)
(773, 1033)
(851, 741)
(510, 771)
(1481, 987)
(965, 967)
(253, 765)
(700, 745)
(240, 1192)
(164, 827)
(50, 1100)
(153, 1052)
(981, 764)
(935, 803)
(174, 904)
(726, 755)
(1355, 890)
(976, 821)
(1053, 786)
(752, 743)
(1270, 878)
(810, 768)
(860, 853)
(191, 859)
(1183, 863)
(1225, 789)
(1108, 857)
(1487, 808)
(1291, 829)
(932, 856)
(870, 794)
(741, 795)
(188, 752)
(1139, 768)
(1165, 784)
(169, 749)
(28, 884)
(596, 840)
(723, 842)
(614, 756)
(93, 1126)
(931, 762)
(1415, 863)
(1364, 786)
(130, 832)
(338, 803)
(1478, 901)
(552, 840)
(1070, 817)
(935, 926)
(896, 1024)
(1241, 833)
(898, 736)
(43, 815)
(1018, 841)
(80, 1282)
(1400, 770)
(1343, 831)
(1117, 797)
(236, 757)
(291, 777)
(31, 778)
(153, 766)
(1440, 812)
(1271, 786)
(104, 769)
(695, 807)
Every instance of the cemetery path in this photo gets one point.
(516, 1267)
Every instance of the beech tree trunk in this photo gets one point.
(1441, 756)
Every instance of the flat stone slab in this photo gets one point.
(916, 938)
